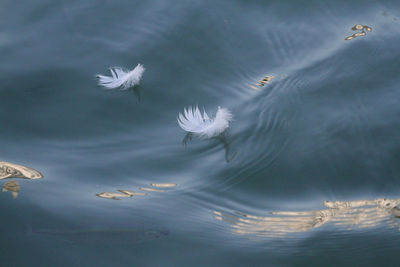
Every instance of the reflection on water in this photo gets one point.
(128, 193)
(345, 214)
(11, 170)
(326, 125)
(387, 14)
(262, 82)
(131, 193)
(381, 202)
(13, 187)
(150, 189)
(361, 29)
(118, 196)
(163, 185)
(137, 92)
(222, 139)
(113, 195)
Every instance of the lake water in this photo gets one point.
(326, 128)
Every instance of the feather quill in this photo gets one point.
(121, 78)
(201, 125)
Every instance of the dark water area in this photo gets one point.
(326, 128)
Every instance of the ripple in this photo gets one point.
(364, 214)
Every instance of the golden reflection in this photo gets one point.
(345, 214)
(151, 189)
(361, 28)
(163, 185)
(118, 196)
(127, 193)
(131, 193)
(11, 170)
(113, 195)
(13, 187)
(262, 82)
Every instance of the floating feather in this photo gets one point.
(201, 125)
(122, 79)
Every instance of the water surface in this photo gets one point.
(325, 128)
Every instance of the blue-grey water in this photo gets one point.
(326, 127)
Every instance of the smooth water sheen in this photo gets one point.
(326, 128)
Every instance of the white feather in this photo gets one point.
(201, 125)
(122, 79)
